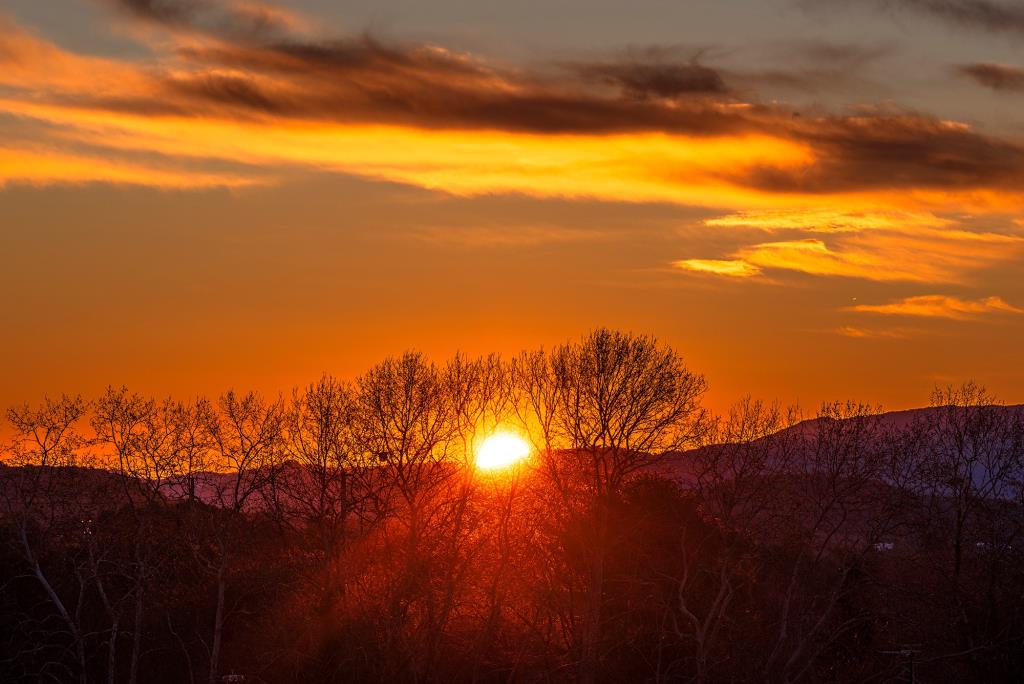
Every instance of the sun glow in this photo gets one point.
(501, 450)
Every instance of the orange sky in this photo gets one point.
(197, 196)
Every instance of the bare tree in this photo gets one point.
(406, 418)
(606, 407)
(330, 489)
(735, 477)
(970, 462)
(152, 448)
(44, 500)
(838, 502)
(245, 435)
(191, 449)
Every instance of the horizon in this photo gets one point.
(718, 406)
(503, 422)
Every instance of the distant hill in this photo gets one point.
(683, 466)
(898, 420)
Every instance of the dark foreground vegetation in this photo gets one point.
(343, 533)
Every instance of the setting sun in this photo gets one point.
(501, 450)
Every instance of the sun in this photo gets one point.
(501, 450)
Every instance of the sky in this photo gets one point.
(810, 200)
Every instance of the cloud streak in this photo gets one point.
(867, 333)
(940, 306)
(865, 245)
(732, 268)
(36, 166)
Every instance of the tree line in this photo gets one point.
(343, 533)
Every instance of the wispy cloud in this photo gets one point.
(830, 220)
(871, 333)
(940, 306)
(34, 165)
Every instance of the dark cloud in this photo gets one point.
(995, 76)
(986, 15)
(983, 14)
(642, 80)
(895, 151)
(362, 79)
(164, 11)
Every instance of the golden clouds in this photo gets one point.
(889, 246)
(623, 167)
(733, 268)
(878, 246)
(864, 257)
(813, 256)
(940, 306)
(239, 113)
(237, 82)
